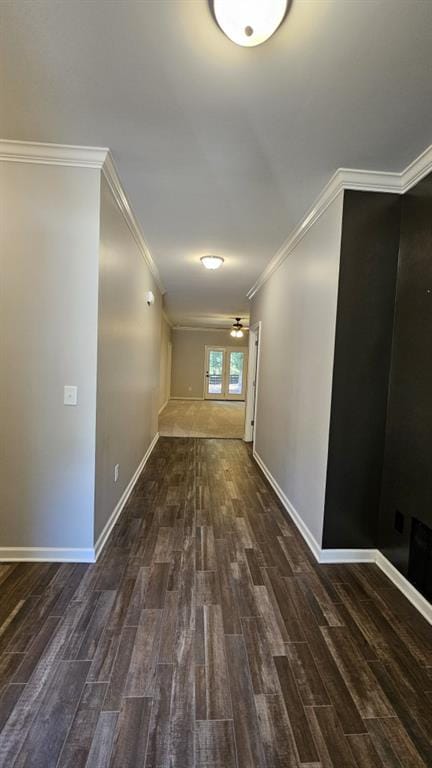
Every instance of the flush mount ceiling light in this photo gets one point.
(211, 262)
(237, 331)
(249, 22)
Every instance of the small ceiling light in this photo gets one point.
(211, 262)
(237, 332)
(249, 22)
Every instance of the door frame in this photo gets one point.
(225, 374)
(207, 349)
(245, 350)
(169, 371)
(255, 332)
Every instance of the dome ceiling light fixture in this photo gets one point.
(211, 262)
(249, 22)
(237, 329)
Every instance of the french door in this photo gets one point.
(225, 373)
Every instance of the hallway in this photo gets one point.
(206, 635)
(202, 418)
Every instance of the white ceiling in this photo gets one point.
(221, 149)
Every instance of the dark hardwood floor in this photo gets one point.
(207, 636)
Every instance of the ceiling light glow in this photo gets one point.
(212, 262)
(249, 22)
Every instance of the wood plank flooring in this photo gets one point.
(207, 636)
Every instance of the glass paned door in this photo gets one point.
(215, 373)
(236, 377)
(225, 373)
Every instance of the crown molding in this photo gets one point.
(200, 328)
(342, 179)
(83, 157)
(110, 173)
(166, 318)
(52, 154)
(417, 170)
(204, 328)
(329, 193)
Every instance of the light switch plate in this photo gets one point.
(116, 472)
(70, 395)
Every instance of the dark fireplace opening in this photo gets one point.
(420, 558)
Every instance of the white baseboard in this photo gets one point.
(46, 554)
(410, 592)
(348, 555)
(74, 555)
(301, 525)
(162, 408)
(118, 509)
(186, 398)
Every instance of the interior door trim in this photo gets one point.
(225, 372)
(208, 348)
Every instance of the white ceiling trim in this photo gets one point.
(417, 170)
(112, 177)
(166, 318)
(204, 328)
(52, 154)
(347, 178)
(200, 328)
(83, 157)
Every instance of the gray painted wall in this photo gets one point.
(188, 353)
(49, 234)
(128, 359)
(165, 363)
(297, 307)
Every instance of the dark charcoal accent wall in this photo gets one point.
(367, 284)
(407, 477)
(420, 558)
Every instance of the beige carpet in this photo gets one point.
(202, 418)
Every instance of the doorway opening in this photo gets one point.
(225, 373)
(252, 385)
(208, 384)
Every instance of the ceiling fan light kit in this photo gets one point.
(237, 329)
